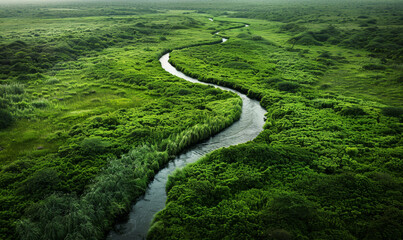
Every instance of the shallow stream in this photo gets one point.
(250, 124)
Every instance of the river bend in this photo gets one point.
(250, 124)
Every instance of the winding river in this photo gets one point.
(250, 124)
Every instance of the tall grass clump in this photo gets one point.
(11, 89)
(70, 217)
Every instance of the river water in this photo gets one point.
(250, 124)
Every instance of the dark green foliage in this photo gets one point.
(184, 92)
(237, 65)
(386, 226)
(257, 38)
(383, 42)
(40, 184)
(374, 67)
(279, 234)
(22, 59)
(251, 205)
(94, 145)
(11, 89)
(392, 111)
(292, 27)
(243, 35)
(288, 86)
(70, 219)
(5, 119)
(352, 111)
(40, 103)
(211, 191)
(306, 39)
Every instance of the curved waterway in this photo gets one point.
(250, 124)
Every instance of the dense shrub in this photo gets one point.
(237, 65)
(280, 234)
(41, 183)
(352, 111)
(11, 89)
(288, 86)
(40, 103)
(374, 67)
(306, 39)
(52, 81)
(6, 119)
(183, 92)
(293, 27)
(392, 111)
(244, 35)
(257, 38)
(94, 145)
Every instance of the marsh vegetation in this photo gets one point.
(88, 116)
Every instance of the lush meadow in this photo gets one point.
(88, 115)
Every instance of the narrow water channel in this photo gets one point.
(250, 124)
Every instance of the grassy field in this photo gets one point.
(78, 92)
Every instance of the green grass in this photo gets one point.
(116, 94)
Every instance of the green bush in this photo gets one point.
(373, 67)
(41, 103)
(352, 111)
(40, 184)
(257, 38)
(324, 103)
(392, 111)
(306, 39)
(94, 145)
(11, 89)
(280, 234)
(288, 86)
(237, 65)
(6, 119)
(352, 151)
(243, 35)
(293, 27)
(183, 92)
(52, 81)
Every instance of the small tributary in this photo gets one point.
(250, 124)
